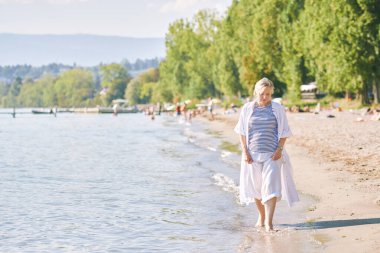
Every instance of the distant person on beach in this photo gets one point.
(178, 110)
(159, 106)
(266, 172)
(210, 107)
(184, 110)
(115, 109)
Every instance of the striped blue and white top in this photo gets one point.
(263, 130)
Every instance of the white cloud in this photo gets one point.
(65, 1)
(192, 5)
(16, 1)
(41, 1)
(220, 8)
(151, 5)
(179, 5)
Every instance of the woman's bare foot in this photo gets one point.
(260, 222)
(269, 228)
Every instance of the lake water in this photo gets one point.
(100, 183)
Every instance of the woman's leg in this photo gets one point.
(271, 190)
(270, 207)
(261, 209)
(256, 179)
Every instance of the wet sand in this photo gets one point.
(337, 164)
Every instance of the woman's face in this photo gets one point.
(265, 95)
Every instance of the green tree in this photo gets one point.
(225, 66)
(172, 70)
(162, 92)
(147, 91)
(149, 76)
(187, 70)
(3, 89)
(3, 93)
(236, 35)
(132, 93)
(344, 47)
(39, 93)
(141, 89)
(74, 87)
(115, 78)
(13, 92)
(30, 96)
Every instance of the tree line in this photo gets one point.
(80, 87)
(9, 73)
(68, 86)
(293, 42)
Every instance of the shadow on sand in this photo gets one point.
(332, 224)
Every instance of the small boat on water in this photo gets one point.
(118, 110)
(34, 111)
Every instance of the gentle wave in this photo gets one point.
(227, 184)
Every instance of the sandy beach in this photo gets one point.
(336, 163)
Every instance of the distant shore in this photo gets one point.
(336, 161)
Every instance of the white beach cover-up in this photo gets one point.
(288, 188)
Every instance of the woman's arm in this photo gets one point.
(278, 153)
(243, 143)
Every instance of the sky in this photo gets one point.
(131, 18)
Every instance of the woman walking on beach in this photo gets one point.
(266, 172)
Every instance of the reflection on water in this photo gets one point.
(284, 240)
(98, 183)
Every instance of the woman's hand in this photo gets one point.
(277, 154)
(248, 158)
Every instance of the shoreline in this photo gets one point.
(336, 164)
(289, 222)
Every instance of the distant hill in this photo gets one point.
(83, 50)
(9, 73)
